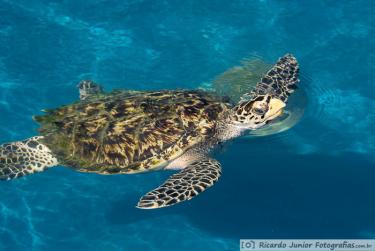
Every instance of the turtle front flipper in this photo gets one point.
(280, 81)
(20, 158)
(185, 185)
(88, 88)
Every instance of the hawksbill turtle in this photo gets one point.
(124, 132)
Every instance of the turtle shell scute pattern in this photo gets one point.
(129, 131)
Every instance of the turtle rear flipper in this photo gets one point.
(25, 157)
(191, 181)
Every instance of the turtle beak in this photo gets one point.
(276, 108)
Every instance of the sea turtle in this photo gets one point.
(125, 132)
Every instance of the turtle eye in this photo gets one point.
(259, 111)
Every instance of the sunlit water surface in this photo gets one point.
(315, 180)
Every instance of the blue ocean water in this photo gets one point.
(315, 180)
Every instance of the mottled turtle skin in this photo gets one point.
(130, 132)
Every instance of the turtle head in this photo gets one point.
(257, 112)
(269, 97)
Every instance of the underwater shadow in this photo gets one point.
(263, 194)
